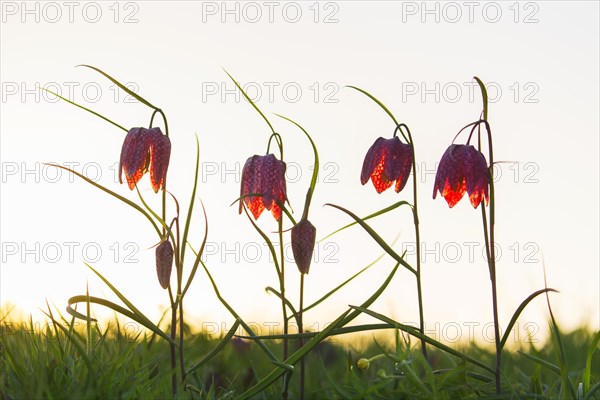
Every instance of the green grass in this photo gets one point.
(52, 363)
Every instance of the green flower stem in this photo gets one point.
(284, 394)
(418, 241)
(490, 244)
(417, 272)
(301, 331)
(489, 238)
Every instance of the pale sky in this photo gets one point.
(539, 59)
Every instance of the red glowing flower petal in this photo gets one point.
(452, 195)
(160, 150)
(380, 181)
(476, 173)
(264, 176)
(402, 160)
(143, 150)
(255, 205)
(462, 169)
(372, 161)
(387, 160)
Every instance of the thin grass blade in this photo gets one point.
(376, 237)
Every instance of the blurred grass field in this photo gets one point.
(110, 363)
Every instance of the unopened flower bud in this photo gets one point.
(164, 263)
(303, 244)
(363, 363)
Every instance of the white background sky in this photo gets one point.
(540, 60)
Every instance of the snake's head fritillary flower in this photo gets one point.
(164, 263)
(263, 176)
(303, 244)
(462, 169)
(145, 150)
(387, 160)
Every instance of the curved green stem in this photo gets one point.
(418, 241)
(489, 238)
(284, 394)
(250, 101)
(301, 331)
(383, 107)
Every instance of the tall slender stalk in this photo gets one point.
(489, 238)
(284, 393)
(177, 303)
(172, 353)
(409, 139)
(301, 331)
(418, 241)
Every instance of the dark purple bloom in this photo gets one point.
(462, 169)
(263, 176)
(303, 244)
(164, 263)
(145, 150)
(387, 160)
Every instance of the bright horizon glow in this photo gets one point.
(545, 117)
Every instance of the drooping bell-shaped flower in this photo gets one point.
(263, 178)
(164, 263)
(303, 244)
(145, 150)
(462, 169)
(387, 160)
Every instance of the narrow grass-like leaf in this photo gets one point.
(474, 375)
(250, 101)
(235, 315)
(85, 109)
(125, 88)
(146, 322)
(293, 359)
(587, 372)
(366, 304)
(376, 237)
(313, 181)
(76, 343)
(269, 289)
(341, 392)
(88, 324)
(341, 285)
(415, 332)
(62, 350)
(592, 393)
(339, 331)
(355, 313)
(106, 190)
(115, 307)
(198, 254)
(216, 349)
(188, 218)
(517, 313)
(162, 222)
(267, 240)
(542, 362)
(376, 101)
(564, 371)
(484, 95)
(373, 215)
